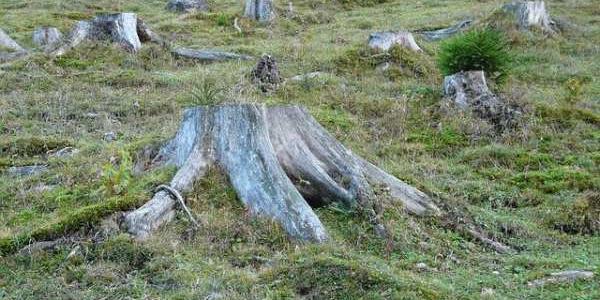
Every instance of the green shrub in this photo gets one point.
(580, 217)
(484, 49)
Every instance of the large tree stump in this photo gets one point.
(530, 14)
(383, 41)
(280, 161)
(469, 91)
(260, 10)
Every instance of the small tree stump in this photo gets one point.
(266, 74)
(383, 41)
(469, 91)
(121, 28)
(187, 6)
(530, 14)
(260, 10)
(47, 37)
(279, 160)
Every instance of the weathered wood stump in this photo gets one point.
(469, 91)
(47, 37)
(266, 74)
(280, 161)
(187, 6)
(383, 41)
(125, 29)
(260, 10)
(444, 33)
(531, 14)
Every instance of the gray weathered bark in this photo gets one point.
(126, 29)
(187, 6)
(208, 55)
(383, 41)
(531, 14)
(260, 10)
(440, 34)
(469, 91)
(121, 28)
(275, 158)
(47, 37)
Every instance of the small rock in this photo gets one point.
(422, 267)
(110, 136)
(187, 6)
(38, 247)
(487, 292)
(562, 277)
(64, 152)
(495, 272)
(91, 115)
(47, 37)
(27, 170)
(306, 76)
(40, 188)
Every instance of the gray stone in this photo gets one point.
(562, 277)
(110, 136)
(27, 170)
(64, 152)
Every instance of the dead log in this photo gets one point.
(469, 91)
(383, 41)
(208, 55)
(187, 6)
(280, 161)
(444, 33)
(260, 10)
(531, 14)
(47, 37)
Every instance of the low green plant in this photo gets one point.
(116, 178)
(482, 49)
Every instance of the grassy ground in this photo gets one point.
(534, 188)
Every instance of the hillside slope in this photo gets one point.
(534, 188)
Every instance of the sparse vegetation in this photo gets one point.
(533, 188)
